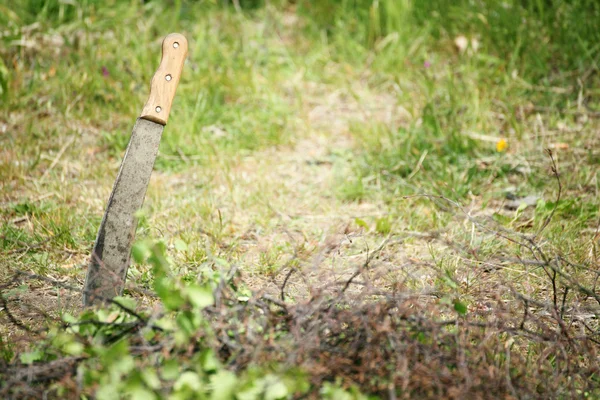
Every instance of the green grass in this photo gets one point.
(312, 129)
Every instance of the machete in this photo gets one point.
(112, 250)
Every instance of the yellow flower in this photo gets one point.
(501, 145)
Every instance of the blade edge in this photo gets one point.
(111, 254)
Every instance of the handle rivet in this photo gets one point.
(168, 77)
(176, 44)
(158, 109)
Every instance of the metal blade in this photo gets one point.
(112, 250)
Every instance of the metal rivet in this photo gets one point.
(176, 44)
(158, 109)
(168, 77)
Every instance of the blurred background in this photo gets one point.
(455, 98)
(466, 70)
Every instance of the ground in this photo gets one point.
(441, 158)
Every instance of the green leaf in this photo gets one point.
(149, 334)
(170, 370)
(150, 378)
(127, 302)
(4, 78)
(141, 393)
(361, 223)
(168, 293)
(71, 321)
(141, 251)
(180, 245)
(117, 356)
(334, 392)
(252, 391)
(209, 361)
(276, 391)
(190, 380)
(460, 308)
(73, 348)
(166, 323)
(158, 259)
(107, 391)
(296, 381)
(68, 318)
(124, 365)
(29, 358)
(223, 384)
(188, 322)
(200, 296)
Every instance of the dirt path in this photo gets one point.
(280, 207)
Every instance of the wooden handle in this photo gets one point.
(166, 78)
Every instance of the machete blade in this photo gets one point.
(108, 266)
(111, 253)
